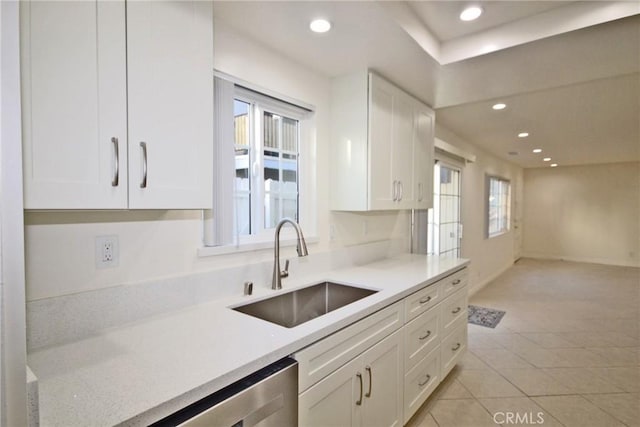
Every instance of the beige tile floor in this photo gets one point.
(567, 353)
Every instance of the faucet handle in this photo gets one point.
(285, 272)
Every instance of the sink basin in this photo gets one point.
(293, 308)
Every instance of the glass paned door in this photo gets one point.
(445, 227)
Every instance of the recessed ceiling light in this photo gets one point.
(546, 159)
(523, 134)
(320, 25)
(499, 106)
(471, 13)
(537, 150)
(554, 165)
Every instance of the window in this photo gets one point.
(266, 159)
(498, 206)
(260, 142)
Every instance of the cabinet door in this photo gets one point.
(381, 110)
(402, 152)
(170, 70)
(423, 158)
(74, 104)
(383, 379)
(332, 402)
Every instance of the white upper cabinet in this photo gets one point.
(170, 70)
(382, 146)
(74, 104)
(92, 77)
(423, 158)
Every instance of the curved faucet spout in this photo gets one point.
(301, 248)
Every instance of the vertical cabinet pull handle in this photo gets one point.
(401, 190)
(359, 401)
(368, 369)
(116, 166)
(143, 145)
(394, 191)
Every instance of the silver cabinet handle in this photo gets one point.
(116, 167)
(143, 145)
(359, 401)
(401, 190)
(425, 336)
(395, 191)
(456, 347)
(426, 380)
(368, 369)
(419, 191)
(457, 310)
(425, 300)
(456, 282)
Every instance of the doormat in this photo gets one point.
(485, 316)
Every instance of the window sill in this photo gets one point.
(498, 234)
(248, 247)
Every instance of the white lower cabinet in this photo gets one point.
(420, 382)
(380, 370)
(435, 339)
(453, 347)
(367, 391)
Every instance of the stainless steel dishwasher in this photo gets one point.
(266, 398)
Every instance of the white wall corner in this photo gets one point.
(475, 288)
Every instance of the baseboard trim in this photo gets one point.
(602, 261)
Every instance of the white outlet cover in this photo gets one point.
(101, 256)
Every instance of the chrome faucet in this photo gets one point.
(301, 247)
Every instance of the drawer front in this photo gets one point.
(420, 382)
(453, 347)
(322, 358)
(421, 336)
(419, 302)
(452, 283)
(453, 310)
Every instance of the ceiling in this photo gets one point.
(569, 72)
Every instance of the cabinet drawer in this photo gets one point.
(421, 336)
(419, 302)
(453, 348)
(453, 310)
(420, 382)
(452, 283)
(320, 359)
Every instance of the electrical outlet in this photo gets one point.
(106, 251)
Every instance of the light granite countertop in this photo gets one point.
(141, 372)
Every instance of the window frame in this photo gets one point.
(216, 239)
(506, 228)
(259, 105)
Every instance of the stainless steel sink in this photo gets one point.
(293, 308)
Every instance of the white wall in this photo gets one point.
(155, 244)
(489, 257)
(583, 213)
(13, 410)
